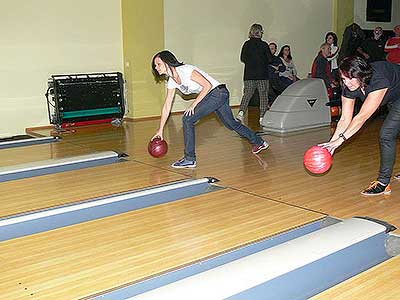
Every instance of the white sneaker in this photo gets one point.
(240, 116)
(258, 148)
(261, 119)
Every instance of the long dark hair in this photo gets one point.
(334, 37)
(356, 67)
(167, 57)
(281, 52)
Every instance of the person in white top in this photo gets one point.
(331, 39)
(212, 96)
(290, 74)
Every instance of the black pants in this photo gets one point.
(388, 141)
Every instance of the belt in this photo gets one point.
(218, 87)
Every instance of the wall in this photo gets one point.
(211, 35)
(143, 36)
(86, 36)
(343, 17)
(45, 37)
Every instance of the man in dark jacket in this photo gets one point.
(353, 37)
(321, 68)
(373, 48)
(256, 56)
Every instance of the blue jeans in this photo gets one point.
(217, 100)
(388, 140)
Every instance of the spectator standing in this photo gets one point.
(353, 36)
(372, 48)
(256, 56)
(392, 46)
(331, 39)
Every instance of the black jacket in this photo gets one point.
(321, 68)
(256, 56)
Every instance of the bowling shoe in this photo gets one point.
(376, 188)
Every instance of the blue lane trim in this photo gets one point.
(305, 282)
(12, 231)
(57, 169)
(156, 282)
(28, 142)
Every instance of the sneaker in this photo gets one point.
(261, 119)
(376, 188)
(259, 148)
(240, 116)
(397, 176)
(184, 163)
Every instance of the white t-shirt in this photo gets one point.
(333, 59)
(188, 86)
(290, 69)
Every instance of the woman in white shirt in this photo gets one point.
(212, 96)
(331, 39)
(290, 74)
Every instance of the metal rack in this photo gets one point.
(82, 99)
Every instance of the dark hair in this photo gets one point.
(273, 43)
(281, 52)
(333, 35)
(167, 57)
(356, 67)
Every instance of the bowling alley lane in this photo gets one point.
(29, 194)
(92, 257)
(20, 155)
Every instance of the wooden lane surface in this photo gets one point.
(336, 193)
(84, 259)
(40, 192)
(20, 155)
(380, 282)
(277, 173)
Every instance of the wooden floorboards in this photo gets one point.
(258, 186)
(51, 190)
(380, 282)
(81, 260)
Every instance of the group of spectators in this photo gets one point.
(271, 74)
(369, 72)
(377, 47)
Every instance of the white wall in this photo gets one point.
(45, 37)
(210, 33)
(360, 16)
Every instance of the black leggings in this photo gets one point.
(388, 141)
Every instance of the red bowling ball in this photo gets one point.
(157, 147)
(317, 160)
(335, 111)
